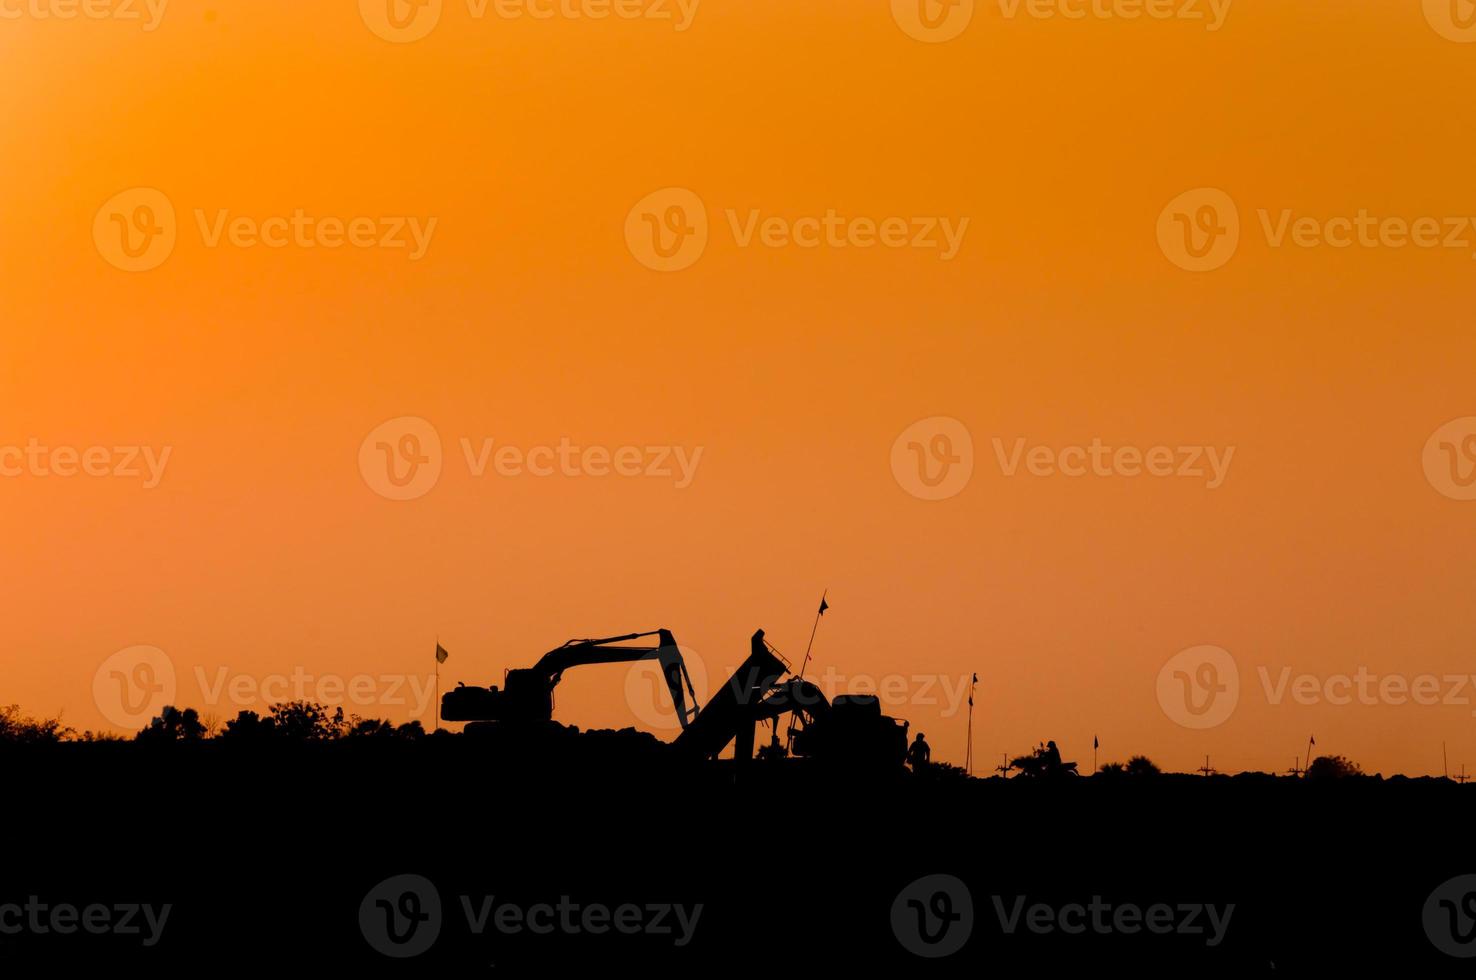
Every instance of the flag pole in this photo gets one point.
(789, 735)
(813, 630)
(438, 685)
(969, 753)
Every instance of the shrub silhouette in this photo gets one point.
(1333, 767)
(1138, 765)
(1141, 765)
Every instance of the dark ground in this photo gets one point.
(266, 854)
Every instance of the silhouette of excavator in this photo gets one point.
(526, 697)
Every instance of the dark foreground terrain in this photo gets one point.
(288, 859)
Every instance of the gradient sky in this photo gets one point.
(263, 550)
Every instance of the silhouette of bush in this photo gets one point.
(1141, 765)
(1333, 767)
(173, 725)
(1138, 765)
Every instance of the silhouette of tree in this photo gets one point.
(247, 725)
(410, 730)
(173, 725)
(19, 729)
(1113, 769)
(1332, 767)
(307, 721)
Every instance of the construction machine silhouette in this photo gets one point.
(850, 732)
(527, 695)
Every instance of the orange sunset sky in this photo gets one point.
(268, 547)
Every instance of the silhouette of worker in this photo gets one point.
(920, 755)
(774, 751)
(1051, 757)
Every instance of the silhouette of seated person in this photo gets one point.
(920, 755)
(1051, 758)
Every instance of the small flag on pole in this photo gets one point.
(441, 654)
(1312, 740)
(823, 606)
(1095, 743)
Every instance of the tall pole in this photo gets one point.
(813, 630)
(1444, 760)
(438, 685)
(969, 753)
(789, 735)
